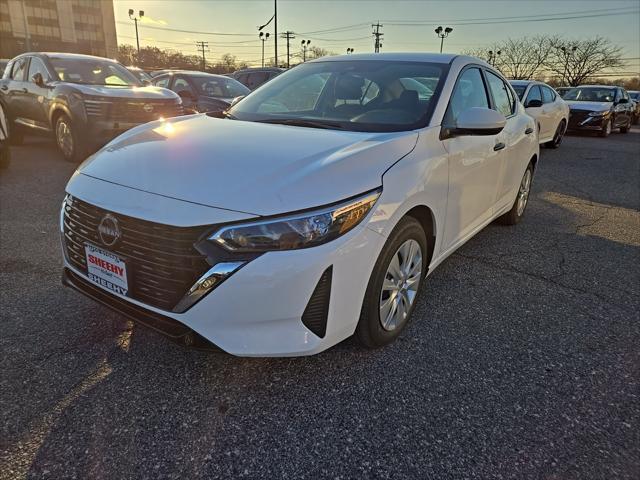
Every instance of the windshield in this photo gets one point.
(93, 71)
(358, 95)
(520, 89)
(219, 86)
(590, 94)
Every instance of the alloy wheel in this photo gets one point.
(400, 285)
(557, 139)
(523, 192)
(64, 138)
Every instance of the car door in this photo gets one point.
(515, 139)
(15, 94)
(550, 113)
(474, 163)
(37, 97)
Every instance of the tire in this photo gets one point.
(626, 128)
(635, 119)
(14, 133)
(558, 136)
(68, 140)
(375, 328)
(513, 216)
(606, 130)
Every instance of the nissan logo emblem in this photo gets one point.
(147, 107)
(109, 230)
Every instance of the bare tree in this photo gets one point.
(577, 60)
(517, 58)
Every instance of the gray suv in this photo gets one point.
(84, 101)
(252, 78)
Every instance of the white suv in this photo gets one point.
(315, 209)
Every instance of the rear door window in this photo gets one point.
(547, 95)
(501, 94)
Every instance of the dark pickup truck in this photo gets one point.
(84, 101)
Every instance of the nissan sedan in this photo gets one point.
(312, 210)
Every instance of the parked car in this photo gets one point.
(84, 101)
(3, 65)
(202, 92)
(141, 75)
(599, 108)
(549, 110)
(282, 231)
(252, 78)
(562, 90)
(4, 141)
(155, 73)
(634, 95)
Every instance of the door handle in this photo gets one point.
(528, 131)
(499, 146)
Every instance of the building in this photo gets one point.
(78, 26)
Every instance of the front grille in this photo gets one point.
(576, 117)
(162, 262)
(132, 111)
(136, 112)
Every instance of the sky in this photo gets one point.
(230, 26)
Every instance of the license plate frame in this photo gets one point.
(107, 269)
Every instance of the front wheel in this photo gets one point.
(68, 140)
(625, 128)
(559, 135)
(606, 130)
(516, 213)
(393, 287)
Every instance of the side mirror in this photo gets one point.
(478, 121)
(236, 100)
(623, 100)
(534, 103)
(185, 94)
(38, 79)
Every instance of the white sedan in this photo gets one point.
(312, 210)
(548, 108)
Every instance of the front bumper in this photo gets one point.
(258, 310)
(580, 121)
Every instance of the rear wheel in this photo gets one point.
(68, 140)
(516, 213)
(393, 287)
(559, 135)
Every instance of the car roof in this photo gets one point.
(597, 86)
(395, 56)
(68, 55)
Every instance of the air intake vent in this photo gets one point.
(317, 310)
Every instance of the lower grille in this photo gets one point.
(317, 310)
(576, 118)
(162, 262)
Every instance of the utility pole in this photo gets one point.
(378, 35)
(288, 35)
(202, 46)
(275, 31)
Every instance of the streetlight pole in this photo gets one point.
(263, 38)
(135, 20)
(567, 53)
(492, 57)
(305, 44)
(443, 33)
(350, 51)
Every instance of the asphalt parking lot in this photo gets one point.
(523, 360)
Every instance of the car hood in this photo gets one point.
(589, 106)
(140, 93)
(249, 167)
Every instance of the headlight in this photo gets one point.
(598, 114)
(297, 231)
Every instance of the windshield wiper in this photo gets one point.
(300, 122)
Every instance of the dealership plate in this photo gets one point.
(106, 269)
